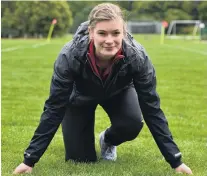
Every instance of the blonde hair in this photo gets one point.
(105, 11)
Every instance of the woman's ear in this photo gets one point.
(90, 31)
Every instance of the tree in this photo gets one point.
(80, 12)
(8, 20)
(80, 17)
(163, 10)
(149, 11)
(202, 9)
(35, 17)
(176, 14)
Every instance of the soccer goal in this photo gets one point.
(184, 29)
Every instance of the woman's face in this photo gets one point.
(107, 36)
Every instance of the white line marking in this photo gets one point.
(10, 49)
(17, 48)
(186, 49)
(38, 44)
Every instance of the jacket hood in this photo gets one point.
(81, 40)
(82, 33)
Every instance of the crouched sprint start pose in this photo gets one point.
(102, 65)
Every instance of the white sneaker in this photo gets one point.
(108, 152)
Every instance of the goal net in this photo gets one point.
(184, 29)
(203, 31)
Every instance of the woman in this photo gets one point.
(102, 65)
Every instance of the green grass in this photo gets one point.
(182, 86)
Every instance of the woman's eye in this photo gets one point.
(116, 33)
(102, 33)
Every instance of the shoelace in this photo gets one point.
(110, 150)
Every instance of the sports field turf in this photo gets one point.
(181, 68)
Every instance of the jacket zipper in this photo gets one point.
(107, 79)
(118, 72)
(114, 76)
(87, 60)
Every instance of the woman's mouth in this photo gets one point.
(108, 48)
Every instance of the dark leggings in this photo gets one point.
(78, 125)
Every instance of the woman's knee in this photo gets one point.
(133, 129)
(130, 129)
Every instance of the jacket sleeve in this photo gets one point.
(145, 85)
(54, 111)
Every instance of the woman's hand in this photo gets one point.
(22, 168)
(183, 169)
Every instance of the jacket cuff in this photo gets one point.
(28, 163)
(175, 164)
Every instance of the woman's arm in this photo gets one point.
(54, 110)
(145, 85)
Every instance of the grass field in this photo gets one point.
(181, 68)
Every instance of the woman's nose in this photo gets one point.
(109, 39)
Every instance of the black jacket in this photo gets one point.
(74, 82)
